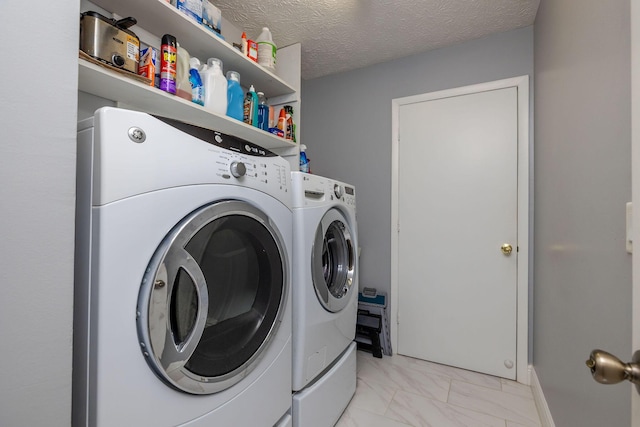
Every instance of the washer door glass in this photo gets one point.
(333, 261)
(212, 297)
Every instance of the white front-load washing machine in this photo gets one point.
(182, 309)
(325, 298)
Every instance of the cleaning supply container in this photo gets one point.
(282, 122)
(250, 115)
(289, 132)
(266, 50)
(235, 96)
(215, 87)
(263, 112)
(304, 160)
(183, 85)
(197, 89)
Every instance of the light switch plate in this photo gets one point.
(629, 218)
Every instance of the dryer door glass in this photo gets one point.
(333, 262)
(223, 276)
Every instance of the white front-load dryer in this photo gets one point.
(325, 298)
(182, 309)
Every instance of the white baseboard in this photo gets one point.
(541, 402)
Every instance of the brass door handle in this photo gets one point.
(506, 249)
(608, 369)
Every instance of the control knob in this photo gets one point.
(118, 60)
(238, 169)
(338, 191)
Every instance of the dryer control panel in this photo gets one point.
(266, 173)
(240, 159)
(136, 153)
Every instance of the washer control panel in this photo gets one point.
(310, 190)
(350, 195)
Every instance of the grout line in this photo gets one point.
(481, 411)
(478, 385)
(380, 416)
(386, 409)
(450, 381)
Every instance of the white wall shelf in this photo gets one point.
(159, 17)
(107, 84)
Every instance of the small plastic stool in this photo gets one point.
(375, 302)
(368, 329)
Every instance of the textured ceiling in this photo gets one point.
(342, 35)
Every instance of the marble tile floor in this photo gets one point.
(400, 391)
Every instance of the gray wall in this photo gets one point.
(583, 179)
(346, 125)
(37, 171)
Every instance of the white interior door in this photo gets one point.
(457, 207)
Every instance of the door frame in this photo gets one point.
(525, 207)
(635, 194)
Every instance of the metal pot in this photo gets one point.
(110, 41)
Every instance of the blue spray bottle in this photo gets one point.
(304, 160)
(197, 89)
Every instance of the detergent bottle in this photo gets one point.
(183, 85)
(235, 96)
(215, 87)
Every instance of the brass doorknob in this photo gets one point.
(506, 249)
(608, 369)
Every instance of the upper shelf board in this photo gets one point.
(159, 17)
